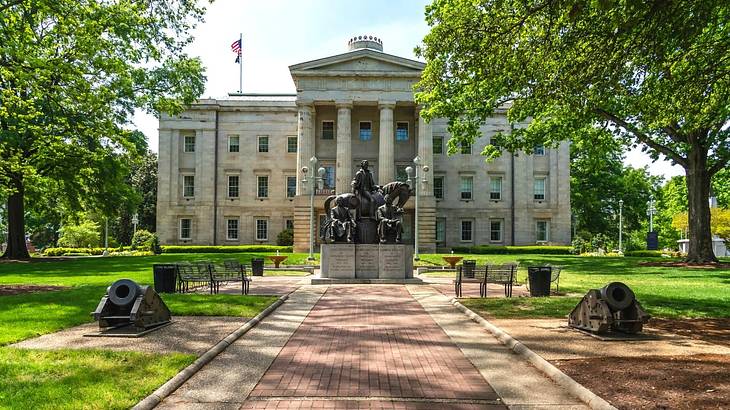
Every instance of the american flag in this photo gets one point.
(236, 48)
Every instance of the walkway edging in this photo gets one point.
(173, 384)
(563, 380)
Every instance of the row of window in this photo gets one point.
(232, 228)
(366, 134)
(234, 143)
(262, 186)
(496, 226)
(466, 187)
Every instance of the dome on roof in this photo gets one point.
(370, 42)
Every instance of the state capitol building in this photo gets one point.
(230, 170)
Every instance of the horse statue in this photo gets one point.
(396, 190)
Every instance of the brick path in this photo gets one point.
(374, 348)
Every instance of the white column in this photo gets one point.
(386, 148)
(305, 144)
(343, 172)
(425, 151)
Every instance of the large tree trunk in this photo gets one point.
(698, 191)
(16, 225)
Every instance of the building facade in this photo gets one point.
(231, 170)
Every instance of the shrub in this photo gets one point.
(285, 238)
(142, 239)
(72, 251)
(505, 250)
(578, 246)
(653, 254)
(223, 249)
(85, 234)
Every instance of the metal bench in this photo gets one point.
(231, 271)
(469, 273)
(501, 274)
(191, 277)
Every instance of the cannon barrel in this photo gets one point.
(123, 292)
(617, 295)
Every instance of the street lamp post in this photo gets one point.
(313, 181)
(135, 221)
(413, 179)
(620, 224)
(651, 210)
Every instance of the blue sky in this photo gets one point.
(279, 33)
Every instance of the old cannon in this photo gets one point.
(613, 307)
(127, 304)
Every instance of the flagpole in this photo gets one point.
(240, 64)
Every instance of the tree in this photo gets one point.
(83, 235)
(143, 180)
(72, 72)
(653, 73)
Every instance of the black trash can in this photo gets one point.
(539, 277)
(257, 266)
(469, 268)
(165, 276)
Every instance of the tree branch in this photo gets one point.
(642, 137)
(720, 164)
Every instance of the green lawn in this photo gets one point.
(82, 379)
(663, 292)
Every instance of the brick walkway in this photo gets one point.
(373, 348)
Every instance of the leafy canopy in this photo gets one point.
(650, 72)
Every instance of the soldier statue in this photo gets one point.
(390, 222)
(363, 185)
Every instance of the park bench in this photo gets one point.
(500, 274)
(191, 276)
(231, 271)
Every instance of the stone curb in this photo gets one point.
(173, 384)
(561, 379)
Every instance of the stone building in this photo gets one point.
(230, 170)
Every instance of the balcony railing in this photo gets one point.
(324, 191)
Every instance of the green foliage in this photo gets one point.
(143, 239)
(285, 238)
(42, 379)
(649, 73)
(513, 250)
(223, 249)
(652, 254)
(83, 235)
(71, 76)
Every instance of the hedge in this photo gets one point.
(653, 254)
(505, 250)
(73, 251)
(224, 249)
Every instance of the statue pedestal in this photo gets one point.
(366, 263)
(367, 231)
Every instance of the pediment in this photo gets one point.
(361, 62)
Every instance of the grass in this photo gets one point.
(663, 292)
(82, 379)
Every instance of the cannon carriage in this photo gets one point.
(127, 304)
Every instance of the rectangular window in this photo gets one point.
(328, 130)
(540, 189)
(233, 186)
(465, 147)
(440, 230)
(291, 145)
(438, 145)
(539, 150)
(189, 143)
(186, 228)
(366, 130)
(234, 143)
(291, 187)
(400, 173)
(262, 230)
(466, 231)
(495, 188)
(495, 230)
(438, 187)
(467, 185)
(263, 143)
(401, 131)
(188, 186)
(232, 229)
(542, 231)
(262, 186)
(289, 224)
(329, 177)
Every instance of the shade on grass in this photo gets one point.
(82, 379)
(34, 314)
(663, 292)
